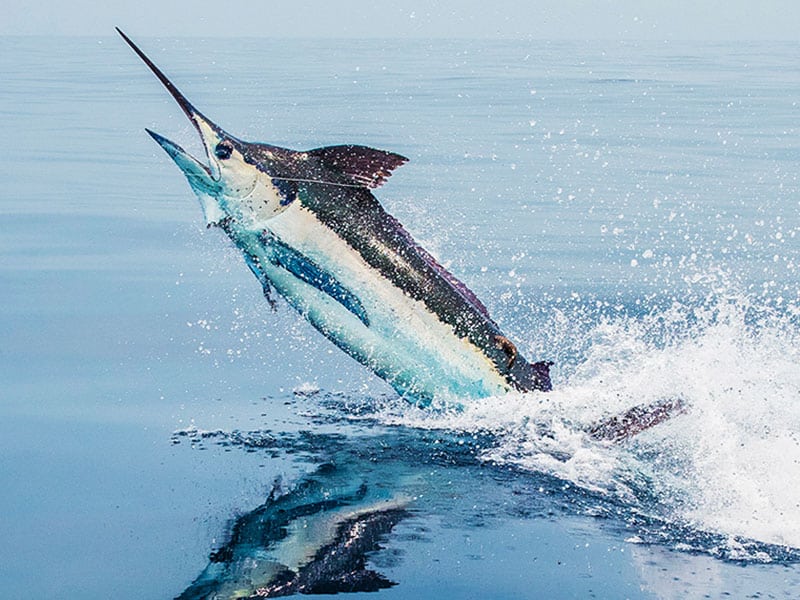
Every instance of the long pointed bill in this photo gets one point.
(210, 133)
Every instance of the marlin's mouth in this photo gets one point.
(210, 134)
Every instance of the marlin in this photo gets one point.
(309, 227)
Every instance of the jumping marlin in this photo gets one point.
(309, 227)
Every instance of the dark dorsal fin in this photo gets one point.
(363, 166)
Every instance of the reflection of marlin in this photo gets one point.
(316, 539)
(308, 226)
(321, 534)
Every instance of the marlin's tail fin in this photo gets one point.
(622, 427)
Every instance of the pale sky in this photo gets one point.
(538, 19)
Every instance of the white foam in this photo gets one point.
(731, 465)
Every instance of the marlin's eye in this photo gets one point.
(223, 150)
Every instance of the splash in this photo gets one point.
(729, 468)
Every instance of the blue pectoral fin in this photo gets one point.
(308, 271)
(255, 267)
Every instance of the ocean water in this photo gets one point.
(627, 210)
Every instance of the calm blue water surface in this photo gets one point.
(629, 211)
